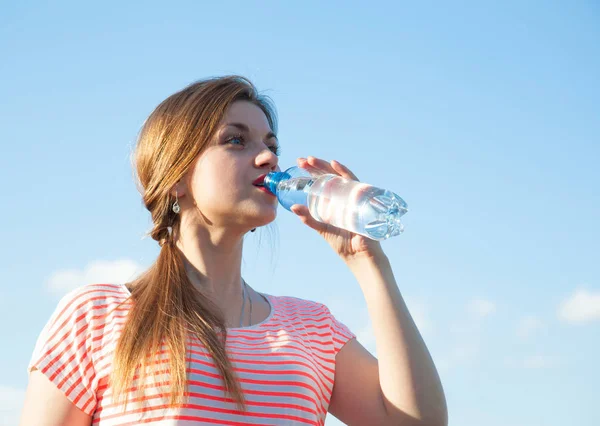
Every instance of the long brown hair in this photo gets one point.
(166, 308)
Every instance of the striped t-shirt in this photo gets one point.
(285, 365)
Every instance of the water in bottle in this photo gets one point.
(355, 206)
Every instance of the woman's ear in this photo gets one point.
(179, 189)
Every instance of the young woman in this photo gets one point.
(190, 342)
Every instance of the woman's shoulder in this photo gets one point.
(91, 299)
(97, 294)
(314, 316)
(82, 313)
(291, 305)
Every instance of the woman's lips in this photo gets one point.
(264, 189)
(259, 181)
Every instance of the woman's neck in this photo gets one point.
(214, 269)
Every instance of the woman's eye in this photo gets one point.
(276, 149)
(235, 139)
(239, 140)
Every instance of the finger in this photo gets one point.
(304, 214)
(315, 171)
(320, 164)
(343, 170)
(303, 162)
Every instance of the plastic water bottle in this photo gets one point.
(354, 206)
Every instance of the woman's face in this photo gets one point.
(221, 180)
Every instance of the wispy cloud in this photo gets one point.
(581, 307)
(481, 307)
(528, 326)
(117, 272)
(11, 403)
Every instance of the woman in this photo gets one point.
(189, 341)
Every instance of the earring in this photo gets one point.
(252, 230)
(176, 208)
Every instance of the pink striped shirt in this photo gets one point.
(285, 365)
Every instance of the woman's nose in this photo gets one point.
(268, 158)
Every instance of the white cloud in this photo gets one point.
(583, 306)
(482, 308)
(11, 403)
(528, 326)
(116, 272)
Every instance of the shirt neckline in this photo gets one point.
(267, 297)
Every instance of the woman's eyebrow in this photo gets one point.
(243, 127)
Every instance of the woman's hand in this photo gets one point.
(348, 245)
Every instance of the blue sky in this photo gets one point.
(482, 116)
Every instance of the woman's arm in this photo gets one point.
(46, 405)
(403, 387)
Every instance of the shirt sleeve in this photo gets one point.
(63, 350)
(340, 333)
